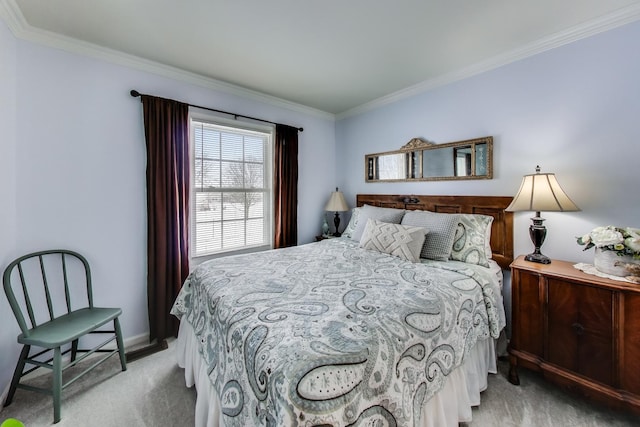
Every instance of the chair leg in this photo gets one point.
(123, 359)
(17, 374)
(57, 383)
(74, 349)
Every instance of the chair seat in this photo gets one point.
(69, 327)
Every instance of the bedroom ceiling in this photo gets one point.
(330, 55)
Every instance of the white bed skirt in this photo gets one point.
(448, 407)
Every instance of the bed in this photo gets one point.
(357, 330)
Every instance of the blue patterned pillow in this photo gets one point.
(471, 242)
(441, 232)
(353, 221)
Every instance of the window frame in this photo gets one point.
(198, 116)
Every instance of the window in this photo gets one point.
(231, 187)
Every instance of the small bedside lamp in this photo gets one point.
(540, 192)
(336, 204)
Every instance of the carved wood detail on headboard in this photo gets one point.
(501, 229)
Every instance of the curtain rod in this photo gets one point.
(134, 93)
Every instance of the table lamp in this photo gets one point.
(540, 192)
(337, 204)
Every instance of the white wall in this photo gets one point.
(573, 110)
(76, 139)
(9, 329)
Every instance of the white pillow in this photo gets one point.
(441, 228)
(393, 239)
(390, 215)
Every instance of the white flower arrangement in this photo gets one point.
(623, 241)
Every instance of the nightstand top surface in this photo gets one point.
(566, 270)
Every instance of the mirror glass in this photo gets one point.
(421, 160)
(391, 166)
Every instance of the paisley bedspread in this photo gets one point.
(330, 334)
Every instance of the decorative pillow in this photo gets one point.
(391, 215)
(353, 221)
(393, 239)
(441, 232)
(471, 242)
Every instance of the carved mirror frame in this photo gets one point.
(420, 160)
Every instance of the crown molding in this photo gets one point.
(13, 17)
(604, 23)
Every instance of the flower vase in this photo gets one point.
(610, 262)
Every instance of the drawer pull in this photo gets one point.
(578, 328)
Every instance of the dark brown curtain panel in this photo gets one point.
(285, 184)
(166, 127)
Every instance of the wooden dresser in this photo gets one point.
(581, 331)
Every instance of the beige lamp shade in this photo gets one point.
(541, 192)
(337, 202)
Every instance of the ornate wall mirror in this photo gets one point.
(420, 160)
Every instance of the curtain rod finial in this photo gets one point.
(134, 93)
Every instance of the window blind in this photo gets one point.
(231, 192)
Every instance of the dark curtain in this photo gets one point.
(285, 184)
(166, 128)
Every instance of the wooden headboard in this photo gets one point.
(501, 230)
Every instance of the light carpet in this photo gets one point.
(152, 393)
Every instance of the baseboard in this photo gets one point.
(146, 351)
(132, 342)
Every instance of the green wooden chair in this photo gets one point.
(54, 311)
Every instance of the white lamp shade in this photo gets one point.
(541, 192)
(337, 202)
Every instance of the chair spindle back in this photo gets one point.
(47, 261)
